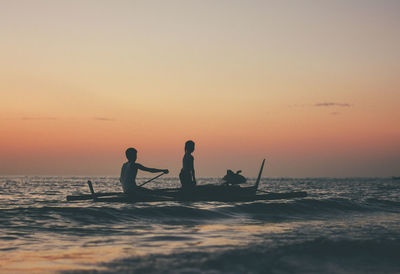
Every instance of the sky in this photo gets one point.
(312, 86)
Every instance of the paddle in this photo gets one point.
(94, 195)
(159, 175)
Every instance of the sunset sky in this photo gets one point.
(313, 86)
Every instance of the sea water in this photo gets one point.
(347, 225)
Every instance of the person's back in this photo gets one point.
(128, 176)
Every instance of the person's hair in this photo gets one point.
(189, 145)
(130, 153)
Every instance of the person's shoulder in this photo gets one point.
(137, 165)
(188, 156)
(131, 165)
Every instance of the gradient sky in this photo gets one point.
(313, 86)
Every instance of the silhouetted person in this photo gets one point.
(129, 171)
(187, 176)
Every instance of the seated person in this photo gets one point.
(129, 171)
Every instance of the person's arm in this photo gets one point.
(194, 177)
(193, 173)
(152, 170)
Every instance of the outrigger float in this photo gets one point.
(219, 193)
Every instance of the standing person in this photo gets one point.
(187, 176)
(129, 171)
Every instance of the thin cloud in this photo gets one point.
(298, 106)
(105, 119)
(332, 104)
(31, 118)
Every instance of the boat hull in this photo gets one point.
(199, 198)
(200, 193)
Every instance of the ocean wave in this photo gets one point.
(174, 212)
(388, 204)
(320, 255)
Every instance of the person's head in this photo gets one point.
(189, 146)
(131, 154)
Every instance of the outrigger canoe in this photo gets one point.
(220, 193)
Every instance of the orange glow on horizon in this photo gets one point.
(319, 90)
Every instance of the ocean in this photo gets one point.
(344, 225)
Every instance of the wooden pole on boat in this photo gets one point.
(159, 175)
(91, 190)
(259, 177)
